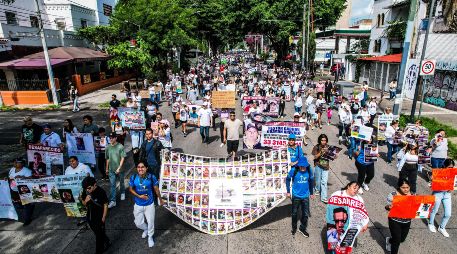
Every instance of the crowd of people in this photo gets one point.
(187, 95)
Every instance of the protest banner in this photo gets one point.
(268, 105)
(45, 160)
(178, 88)
(134, 120)
(397, 138)
(276, 134)
(219, 196)
(122, 110)
(38, 190)
(425, 155)
(444, 179)
(361, 132)
(332, 152)
(69, 188)
(144, 94)
(81, 145)
(346, 216)
(288, 92)
(384, 121)
(223, 99)
(370, 153)
(412, 207)
(7, 210)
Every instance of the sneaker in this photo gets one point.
(122, 196)
(443, 232)
(388, 245)
(145, 234)
(294, 231)
(150, 242)
(111, 204)
(304, 233)
(222, 144)
(360, 191)
(365, 187)
(432, 228)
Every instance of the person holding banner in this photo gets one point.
(115, 156)
(50, 138)
(30, 132)
(439, 149)
(444, 197)
(365, 169)
(399, 227)
(390, 133)
(77, 168)
(150, 152)
(321, 167)
(231, 134)
(18, 172)
(408, 165)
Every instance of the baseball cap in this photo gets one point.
(292, 136)
(46, 126)
(296, 114)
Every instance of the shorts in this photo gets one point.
(183, 121)
(232, 146)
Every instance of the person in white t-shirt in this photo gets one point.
(372, 109)
(77, 168)
(298, 103)
(18, 172)
(183, 117)
(205, 118)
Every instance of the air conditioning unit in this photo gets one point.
(60, 24)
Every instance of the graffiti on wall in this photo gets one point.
(412, 71)
(442, 91)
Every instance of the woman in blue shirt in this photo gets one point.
(365, 168)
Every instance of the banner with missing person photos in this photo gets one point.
(218, 195)
(81, 145)
(38, 190)
(276, 134)
(45, 160)
(69, 188)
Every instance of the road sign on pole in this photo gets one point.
(428, 67)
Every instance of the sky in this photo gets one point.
(361, 9)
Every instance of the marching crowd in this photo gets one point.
(188, 96)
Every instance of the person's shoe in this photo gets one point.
(111, 204)
(304, 233)
(360, 191)
(365, 187)
(388, 245)
(432, 228)
(294, 231)
(122, 196)
(222, 144)
(145, 234)
(443, 232)
(150, 242)
(316, 193)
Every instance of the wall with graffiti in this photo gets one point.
(442, 91)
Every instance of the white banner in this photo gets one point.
(410, 80)
(81, 145)
(7, 210)
(276, 134)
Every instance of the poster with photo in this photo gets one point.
(397, 138)
(425, 155)
(81, 145)
(134, 120)
(269, 106)
(45, 160)
(444, 179)
(69, 188)
(370, 153)
(122, 110)
(7, 210)
(412, 207)
(38, 190)
(332, 152)
(384, 121)
(287, 89)
(346, 216)
(276, 134)
(219, 196)
(361, 132)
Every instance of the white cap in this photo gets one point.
(296, 114)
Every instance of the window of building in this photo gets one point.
(382, 19)
(10, 18)
(377, 46)
(83, 23)
(34, 21)
(107, 9)
(378, 20)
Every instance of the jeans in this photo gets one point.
(305, 213)
(366, 172)
(101, 240)
(392, 94)
(75, 104)
(445, 198)
(352, 147)
(297, 109)
(321, 178)
(152, 97)
(204, 132)
(399, 231)
(112, 180)
(158, 98)
(409, 171)
(437, 162)
(391, 150)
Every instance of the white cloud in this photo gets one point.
(361, 9)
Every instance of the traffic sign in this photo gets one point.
(428, 67)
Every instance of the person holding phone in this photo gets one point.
(439, 149)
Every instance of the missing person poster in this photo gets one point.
(444, 179)
(81, 145)
(268, 105)
(7, 210)
(288, 92)
(38, 190)
(346, 216)
(332, 152)
(69, 188)
(425, 155)
(412, 207)
(45, 160)
(219, 196)
(276, 134)
(384, 121)
(361, 132)
(370, 153)
(223, 99)
(134, 120)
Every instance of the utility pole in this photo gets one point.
(405, 55)
(307, 36)
(46, 55)
(303, 40)
(424, 48)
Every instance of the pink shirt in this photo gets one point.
(320, 87)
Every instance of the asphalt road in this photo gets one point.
(52, 232)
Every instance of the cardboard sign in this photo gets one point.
(223, 99)
(361, 132)
(412, 207)
(444, 179)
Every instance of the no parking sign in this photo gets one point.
(428, 67)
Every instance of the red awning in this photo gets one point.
(395, 58)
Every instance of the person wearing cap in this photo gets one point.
(231, 133)
(50, 138)
(295, 150)
(150, 152)
(96, 201)
(114, 103)
(251, 139)
(18, 171)
(301, 179)
(115, 156)
(30, 132)
(205, 120)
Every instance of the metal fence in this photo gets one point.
(24, 85)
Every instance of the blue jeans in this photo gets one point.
(158, 97)
(352, 147)
(152, 98)
(391, 150)
(112, 180)
(437, 162)
(392, 94)
(305, 213)
(204, 132)
(445, 198)
(297, 109)
(321, 178)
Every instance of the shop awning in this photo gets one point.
(395, 58)
(31, 63)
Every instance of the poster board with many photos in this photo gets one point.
(38, 190)
(45, 160)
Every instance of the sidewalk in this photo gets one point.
(93, 99)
